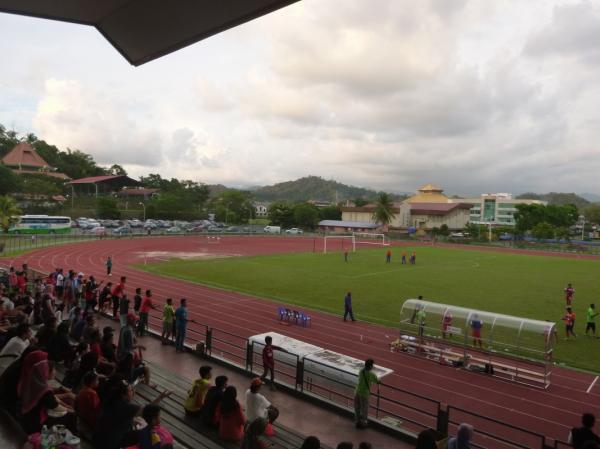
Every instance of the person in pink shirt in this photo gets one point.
(144, 311)
(569, 292)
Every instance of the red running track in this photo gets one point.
(552, 412)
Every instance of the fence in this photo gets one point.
(394, 408)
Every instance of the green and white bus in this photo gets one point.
(41, 224)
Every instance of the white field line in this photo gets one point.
(592, 384)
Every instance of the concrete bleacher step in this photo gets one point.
(284, 437)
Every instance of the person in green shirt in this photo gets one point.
(168, 316)
(591, 320)
(366, 378)
(196, 394)
(421, 315)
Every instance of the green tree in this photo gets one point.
(306, 215)
(281, 213)
(543, 230)
(9, 182)
(8, 211)
(592, 213)
(563, 233)
(107, 207)
(384, 209)
(528, 216)
(360, 202)
(8, 140)
(330, 213)
(117, 170)
(444, 230)
(233, 206)
(40, 184)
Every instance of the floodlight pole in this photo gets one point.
(582, 217)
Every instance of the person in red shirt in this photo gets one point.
(230, 416)
(269, 360)
(144, 311)
(117, 293)
(569, 320)
(87, 403)
(569, 292)
(388, 256)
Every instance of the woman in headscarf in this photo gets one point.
(9, 380)
(463, 438)
(39, 404)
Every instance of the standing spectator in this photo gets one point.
(388, 256)
(366, 378)
(591, 320)
(257, 406)
(463, 437)
(168, 318)
(144, 311)
(87, 402)
(476, 326)
(311, 442)
(60, 284)
(269, 360)
(17, 344)
(109, 265)
(348, 307)
(569, 320)
(230, 416)
(104, 297)
(12, 279)
(126, 352)
(580, 435)
(196, 394)
(117, 292)
(154, 436)
(212, 400)
(569, 292)
(181, 319)
(426, 440)
(137, 300)
(255, 430)
(123, 310)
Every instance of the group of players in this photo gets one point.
(569, 316)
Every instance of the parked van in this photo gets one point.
(272, 229)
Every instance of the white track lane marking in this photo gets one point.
(592, 384)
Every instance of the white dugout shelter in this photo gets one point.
(514, 348)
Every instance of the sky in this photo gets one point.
(475, 96)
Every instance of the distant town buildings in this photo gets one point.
(496, 208)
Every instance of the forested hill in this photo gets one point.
(557, 198)
(312, 188)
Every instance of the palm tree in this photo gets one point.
(8, 210)
(384, 213)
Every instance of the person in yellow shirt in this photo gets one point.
(195, 397)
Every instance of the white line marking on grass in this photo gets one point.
(592, 384)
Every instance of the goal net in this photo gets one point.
(367, 238)
(339, 243)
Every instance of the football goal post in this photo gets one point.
(329, 242)
(368, 238)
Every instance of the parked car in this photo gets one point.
(213, 228)
(294, 231)
(121, 230)
(98, 230)
(232, 229)
(272, 229)
(198, 228)
(174, 230)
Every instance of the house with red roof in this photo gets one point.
(24, 159)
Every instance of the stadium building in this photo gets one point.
(495, 208)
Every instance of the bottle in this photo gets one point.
(44, 443)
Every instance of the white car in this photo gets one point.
(294, 231)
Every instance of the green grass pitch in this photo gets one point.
(521, 285)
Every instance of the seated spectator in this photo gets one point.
(230, 416)
(365, 445)
(104, 297)
(90, 328)
(77, 328)
(212, 400)
(580, 435)
(114, 427)
(463, 437)
(345, 445)
(46, 332)
(426, 440)
(257, 406)
(9, 380)
(104, 366)
(590, 444)
(108, 347)
(253, 433)
(311, 442)
(59, 348)
(195, 396)
(39, 404)
(17, 344)
(154, 436)
(87, 403)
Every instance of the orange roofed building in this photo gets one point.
(24, 159)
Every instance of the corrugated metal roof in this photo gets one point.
(348, 224)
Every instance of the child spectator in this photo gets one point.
(168, 317)
(87, 403)
(230, 416)
(211, 401)
(154, 436)
(269, 360)
(195, 397)
(311, 442)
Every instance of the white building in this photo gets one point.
(496, 208)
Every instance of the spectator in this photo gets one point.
(145, 308)
(311, 443)
(195, 396)
(39, 404)
(253, 433)
(426, 440)
(181, 319)
(230, 416)
(590, 444)
(46, 332)
(365, 445)
(137, 300)
(89, 329)
(126, 349)
(366, 378)
(123, 310)
(168, 318)
(87, 403)
(104, 297)
(17, 344)
(9, 380)
(580, 435)
(463, 437)
(108, 347)
(211, 401)
(257, 406)
(117, 292)
(269, 360)
(345, 445)
(59, 348)
(154, 436)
